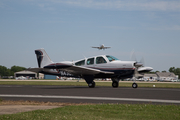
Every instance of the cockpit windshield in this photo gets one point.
(111, 58)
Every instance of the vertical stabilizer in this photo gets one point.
(42, 58)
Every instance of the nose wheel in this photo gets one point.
(134, 85)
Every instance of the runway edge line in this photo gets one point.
(94, 98)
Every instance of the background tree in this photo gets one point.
(10, 72)
(174, 70)
(4, 71)
(17, 68)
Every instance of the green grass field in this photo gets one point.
(102, 112)
(83, 83)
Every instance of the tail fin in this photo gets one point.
(42, 58)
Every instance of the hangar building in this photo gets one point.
(25, 73)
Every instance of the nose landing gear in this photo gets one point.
(134, 85)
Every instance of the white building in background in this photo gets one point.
(150, 77)
(167, 76)
(160, 76)
(41, 76)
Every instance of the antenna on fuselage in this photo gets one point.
(84, 56)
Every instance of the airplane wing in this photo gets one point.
(85, 70)
(76, 70)
(107, 47)
(96, 47)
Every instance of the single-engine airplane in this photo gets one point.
(101, 47)
(102, 66)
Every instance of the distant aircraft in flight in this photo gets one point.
(101, 66)
(101, 47)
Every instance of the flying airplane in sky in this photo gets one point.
(101, 66)
(101, 47)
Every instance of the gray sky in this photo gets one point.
(67, 29)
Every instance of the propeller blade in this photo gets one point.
(137, 64)
(142, 61)
(133, 56)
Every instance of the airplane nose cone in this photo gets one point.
(138, 64)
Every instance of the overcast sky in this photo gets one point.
(67, 29)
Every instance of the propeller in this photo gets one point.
(142, 61)
(133, 58)
(137, 64)
(139, 68)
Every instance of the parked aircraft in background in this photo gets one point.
(101, 66)
(101, 47)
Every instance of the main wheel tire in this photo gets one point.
(115, 84)
(91, 85)
(134, 85)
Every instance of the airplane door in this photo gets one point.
(90, 62)
(100, 62)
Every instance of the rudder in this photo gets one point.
(42, 58)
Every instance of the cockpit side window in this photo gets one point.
(111, 58)
(90, 61)
(100, 60)
(82, 62)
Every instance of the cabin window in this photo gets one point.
(80, 63)
(100, 60)
(90, 61)
(111, 58)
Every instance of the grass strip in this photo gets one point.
(102, 112)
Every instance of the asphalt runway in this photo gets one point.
(84, 94)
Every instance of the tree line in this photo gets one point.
(176, 71)
(4, 71)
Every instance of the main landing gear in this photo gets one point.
(115, 84)
(92, 85)
(89, 80)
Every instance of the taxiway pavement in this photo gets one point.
(83, 94)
